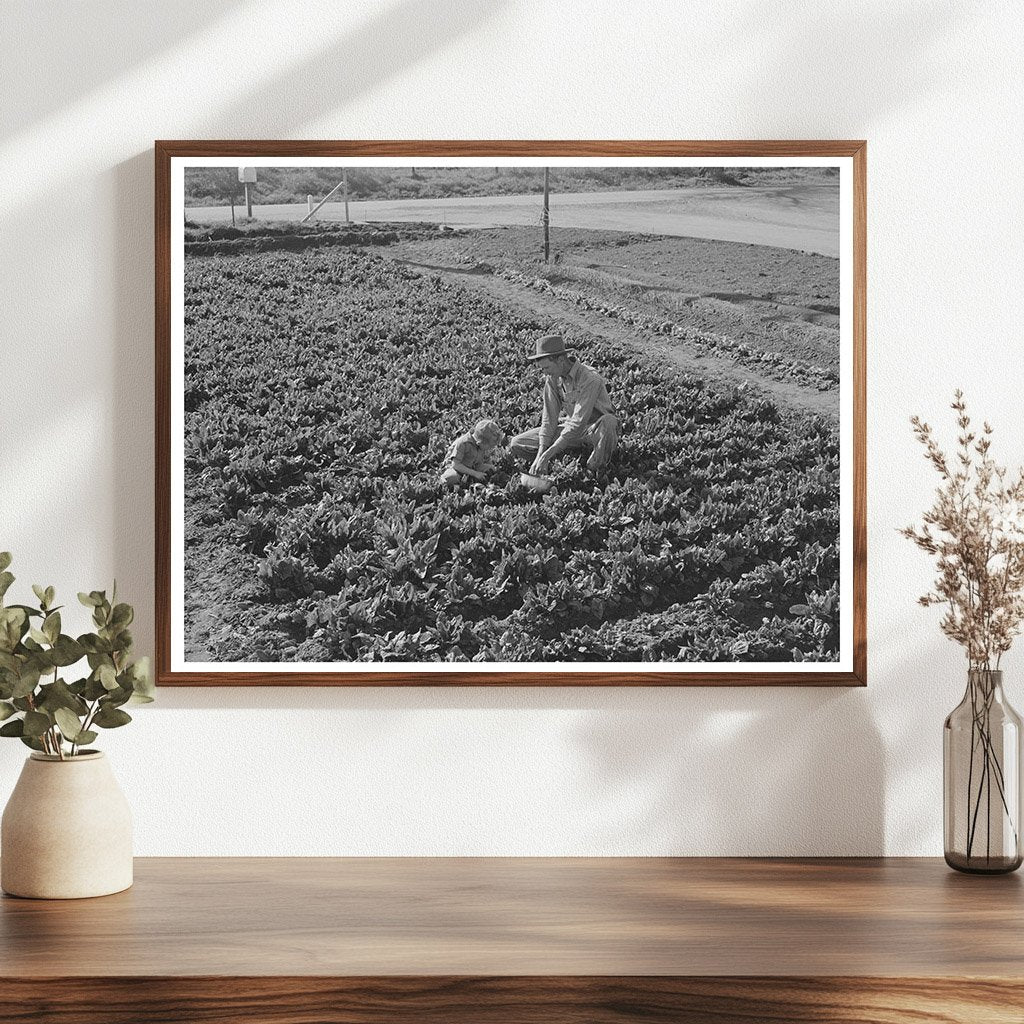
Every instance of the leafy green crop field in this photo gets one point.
(322, 389)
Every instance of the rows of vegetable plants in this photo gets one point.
(771, 364)
(322, 389)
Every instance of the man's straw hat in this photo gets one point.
(549, 345)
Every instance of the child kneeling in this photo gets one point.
(469, 455)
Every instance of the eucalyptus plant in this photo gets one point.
(46, 712)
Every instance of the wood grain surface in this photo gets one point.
(521, 939)
(749, 675)
(505, 916)
(520, 1000)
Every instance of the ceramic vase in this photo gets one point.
(66, 831)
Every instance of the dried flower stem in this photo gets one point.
(975, 530)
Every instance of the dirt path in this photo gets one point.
(800, 216)
(674, 353)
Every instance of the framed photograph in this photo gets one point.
(492, 413)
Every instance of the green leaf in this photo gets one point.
(9, 663)
(27, 682)
(49, 596)
(69, 724)
(111, 718)
(14, 615)
(94, 689)
(89, 600)
(94, 644)
(15, 728)
(36, 723)
(97, 660)
(6, 710)
(122, 616)
(40, 592)
(86, 736)
(12, 627)
(39, 636)
(115, 698)
(8, 681)
(67, 651)
(59, 695)
(51, 626)
(31, 741)
(5, 559)
(30, 612)
(6, 579)
(107, 676)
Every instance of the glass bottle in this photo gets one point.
(981, 774)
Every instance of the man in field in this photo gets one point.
(577, 411)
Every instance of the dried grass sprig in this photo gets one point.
(975, 530)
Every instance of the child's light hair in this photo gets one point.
(488, 430)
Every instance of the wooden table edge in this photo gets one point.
(459, 999)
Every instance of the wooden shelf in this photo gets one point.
(282, 941)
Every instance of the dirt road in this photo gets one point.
(803, 217)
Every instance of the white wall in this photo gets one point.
(937, 90)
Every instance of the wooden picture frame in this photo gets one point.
(214, 524)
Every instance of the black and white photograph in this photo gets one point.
(547, 414)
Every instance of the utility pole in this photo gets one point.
(231, 186)
(547, 217)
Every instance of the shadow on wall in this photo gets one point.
(750, 772)
(693, 771)
(132, 411)
(90, 46)
(808, 60)
(925, 682)
(86, 46)
(394, 39)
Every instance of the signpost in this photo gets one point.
(247, 175)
